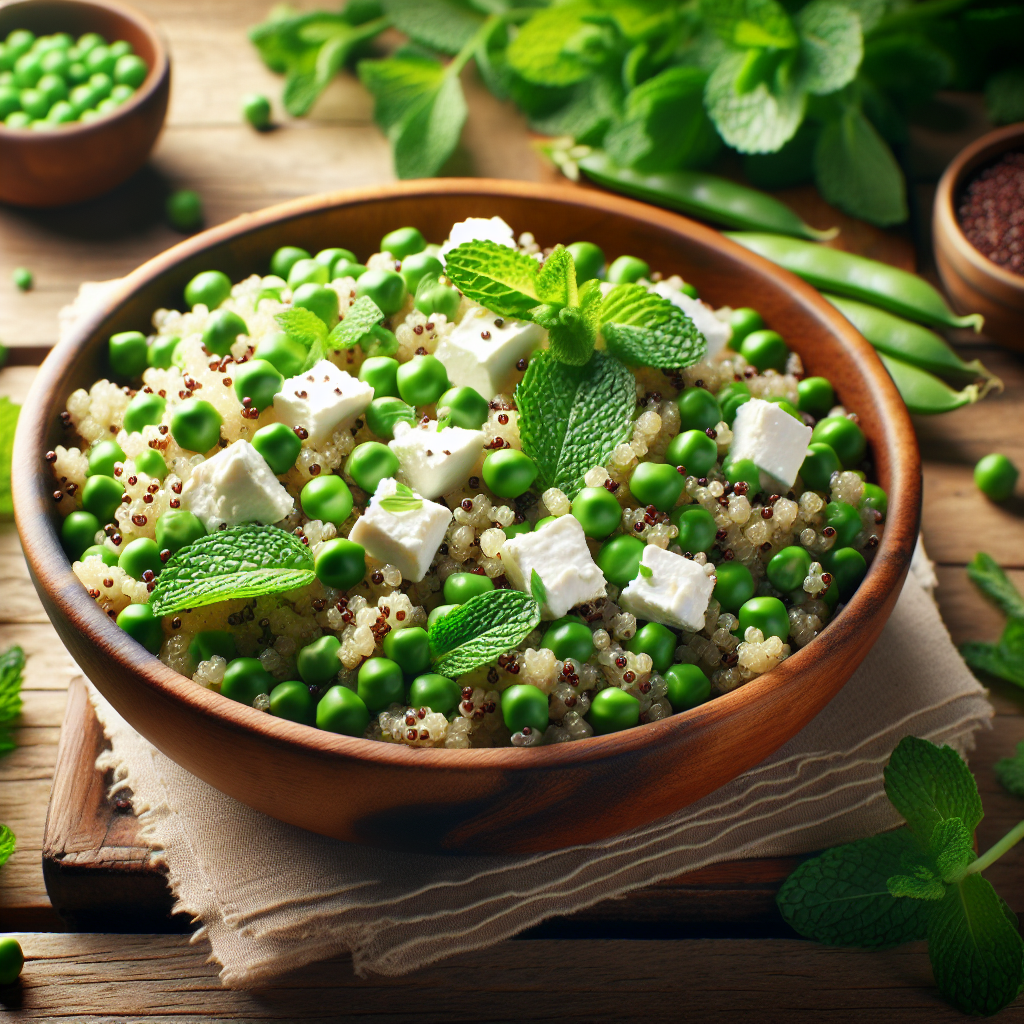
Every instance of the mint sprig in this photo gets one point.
(1010, 772)
(404, 499)
(501, 279)
(308, 330)
(645, 329)
(12, 663)
(357, 325)
(1005, 658)
(244, 561)
(476, 632)
(923, 881)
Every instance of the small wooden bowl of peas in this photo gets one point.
(83, 94)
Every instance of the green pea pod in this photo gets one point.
(913, 344)
(702, 195)
(923, 392)
(880, 284)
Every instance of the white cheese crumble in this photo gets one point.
(771, 438)
(434, 462)
(675, 594)
(479, 229)
(320, 400)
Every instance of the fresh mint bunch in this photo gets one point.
(1010, 772)
(1005, 658)
(921, 881)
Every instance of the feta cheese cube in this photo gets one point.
(321, 400)
(408, 540)
(716, 332)
(235, 486)
(563, 562)
(772, 439)
(434, 461)
(477, 229)
(483, 349)
(675, 594)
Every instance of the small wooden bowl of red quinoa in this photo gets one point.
(498, 800)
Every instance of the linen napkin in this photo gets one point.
(270, 897)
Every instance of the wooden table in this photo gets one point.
(593, 970)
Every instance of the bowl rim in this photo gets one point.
(968, 160)
(40, 540)
(155, 77)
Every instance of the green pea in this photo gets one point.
(347, 268)
(222, 330)
(61, 112)
(82, 99)
(140, 556)
(385, 287)
(99, 551)
(589, 261)
(178, 529)
(436, 299)
(733, 387)
(767, 614)
(996, 477)
(417, 266)
(282, 354)
(765, 350)
(285, 258)
(279, 446)
(212, 643)
(467, 407)
(258, 381)
(439, 613)
(698, 410)
(403, 242)
(329, 257)
(28, 69)
(410, 649)
(524, 706)
(138, 621)
(733, 586)
(103, 457)
(381, 373)
(786, 406)
(20, 40)
(342, 711)
(743, 471)
(687, 687)
(255, 107)
(184, 210)
(657, 641)
(845, 520)
(461, 586)
(101, 496)
(693, 451)
(292, 700)
(78, 532)
(88, 42)
(106, 106)
(816, 396)
(53, 88)
(569, 637)
(619, 559)
(439, 693)
(657, 484)
(818, 466)
(317, 299)
(328, 499)
(383, 413)
(544, 522)
(100, 59)
(628, 270)
(101, 84)
(697, 528)
(422, 380)
(318, 662)
(127, 353)
(195, 425)
(613, 710)
(731, 404)
(307, 271)
(34, 103)
(379, 341)
(598, 511)
(210, 288)
(161, 353)
(509, 473)
(876, 498)
(340, 563)
(788, 568)
(370, 463)
(380, 683)
(18, 119)
(517, 528)
(55, 62)
(743, 321)
(245, 679)
(848, 567)
(121, 48)
(10, 100)
(143, 410)
(844, 437)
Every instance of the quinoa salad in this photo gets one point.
(467, 494)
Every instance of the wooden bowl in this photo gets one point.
(80, 161)
(497, 800)
(974, 282)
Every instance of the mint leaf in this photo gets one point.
(952, 846)
(538, 591)
(358, 321)
(644, 329)
(586, 115)
(831, 46)
(245, 561)
(1004, 96)
(307, 329)
(478, 631)
(7, 844)
(646, 571)
(403, 500)
(988, 658)
(556, 46)
(572, 330)
(856, 171)
(443, 25)
(1010, 772)
(841, 898)
(571, 417)
(501, 279)
(556, 281)
(976, 953)
(868, 11)
(8, 423)
(750, 23)
(12, 662)
(921, 885)
(984, 572)
(928, 784)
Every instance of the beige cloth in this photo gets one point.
(271, 897)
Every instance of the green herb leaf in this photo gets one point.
(988, 658)
(750, 23)
(644, 329)
(923, 884)
(302, 326)
(245, 561)
(856, 171)
(443, 25)
(646, 571)
(984, 572)
(478, 631)
(831, 46)
(976, 953)
(7, 844)
(8, 423)
(590, 109)
(952, 846)
(928, 784)
(842, 897)
(1010, 772)
(403, 500)
(501, 279)
(572, 330)
(556, 281)
(570, 418)
(557, 46)
(12, 663)
(359, 320)
(538, 591)
(1004, 96)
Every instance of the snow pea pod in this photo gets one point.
(923, 392)
(702, 195)
(880, 284)
(913, 344)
